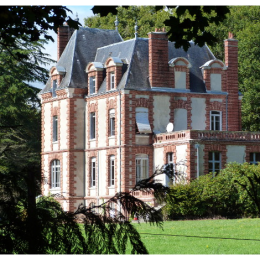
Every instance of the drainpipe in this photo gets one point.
(120, 150)
(198, 160)
(227, 112)
(84, 157)
(98, 178)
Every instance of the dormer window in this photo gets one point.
(179, 67)
(112, 80)
(212, 72)
(95, 76)
(54, 87)
(92, 85)
(113, 67)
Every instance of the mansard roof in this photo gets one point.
(96, 45)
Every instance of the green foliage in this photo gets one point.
(234, 192)
(244, 23)
(146, 17)
(184, 23)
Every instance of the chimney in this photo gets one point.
(64, 34)
(158, 58)
(231, 61)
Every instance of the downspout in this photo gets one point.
(98, 180)
(84, 159)
(120, 150)
(198, 160)
(227, 112)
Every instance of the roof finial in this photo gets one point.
(116, 24)
(136, 29)
(77, 17)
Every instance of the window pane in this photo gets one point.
(210, 166)
(217, 156)
(92, 126)
(55, 174)
(55, 129)
(210, 156)
(92, 85)
(257, 157)
(252, 157)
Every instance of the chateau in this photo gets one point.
(114, 110)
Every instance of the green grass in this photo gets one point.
(239, 236)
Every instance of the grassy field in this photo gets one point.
(239, 236)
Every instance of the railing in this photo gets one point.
(207, 135)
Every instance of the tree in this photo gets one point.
(147, 19)
(185, 22)
(244, 23)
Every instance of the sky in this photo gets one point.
(83, 11)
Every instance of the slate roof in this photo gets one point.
(97, 45)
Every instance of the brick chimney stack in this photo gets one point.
(231, 61)
(158, 58)
(64, 34)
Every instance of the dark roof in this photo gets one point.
(80, 50)
(96, 45)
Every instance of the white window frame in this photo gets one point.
(112, 122)
(214, 162)
(112, 80)
(213, 117)
(141, 167)
(55, 129)
(92, 85)
(254, 161)
(112, 170)
(55, 174)
(92, 129)
(93, 172)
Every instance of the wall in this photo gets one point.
(198, 114)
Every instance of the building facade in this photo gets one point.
(114, 110)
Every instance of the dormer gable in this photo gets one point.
(180, 73)
(213, 71)
(56, 73)
(95, 76)
(113, 67)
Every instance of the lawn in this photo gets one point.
(239, 236)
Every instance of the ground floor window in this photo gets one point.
(142, 171)
(254, 158)
(112, 171)
(55, 174)
(214, 162)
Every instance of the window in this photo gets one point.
(111, 122)
(214, 162)
(254, 158)
(92, 125)
(55, 174)
(215, 120)
(169, 158)
(112, 80)
(112, 171)
(141, 167)
(142, 121)
(92, 84)
(93, 172)
(55, 129)
(54, 86)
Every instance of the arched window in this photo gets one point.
(55, 174)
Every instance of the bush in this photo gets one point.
(233, 193)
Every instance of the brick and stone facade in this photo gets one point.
(154, 84)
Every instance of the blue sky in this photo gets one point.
(83, 11)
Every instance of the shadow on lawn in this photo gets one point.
(200, 237)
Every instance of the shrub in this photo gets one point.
(233, 193)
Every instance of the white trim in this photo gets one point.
(215, 116)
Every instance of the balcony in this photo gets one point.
(207, 135)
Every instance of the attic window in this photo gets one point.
(142, 121)
(112, 80)
(92, 83)
(54, 86)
